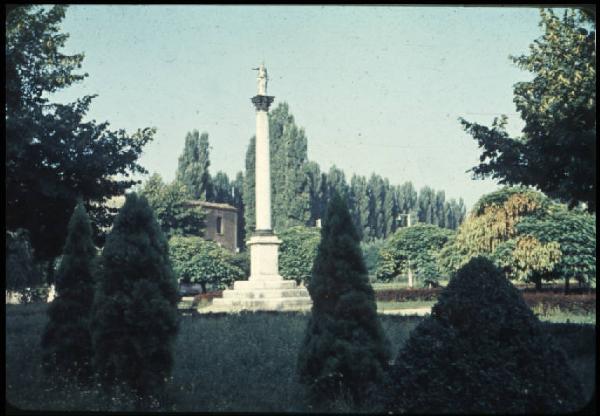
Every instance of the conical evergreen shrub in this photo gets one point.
(135, 310)
(66, 341)
(481, 351)
(344, 352)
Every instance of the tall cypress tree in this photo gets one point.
(439, 214)
(238, 202)
(290, 181)
(193, 165)
(313, 174)
(249, 188)
(409, 197)
(461, 212)
(426, 205)
(66, 340)
(450, 214)
(296, 192)
(135, 309)
(221, 188)
(280, 122)
(374, 193)
(360, 204)
(344, 351)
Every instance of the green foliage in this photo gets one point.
(314, 178)
(575, 232)
(333, 181)
(300, 192)
(415, 247)
(170, 203)
(358, 200)
(371, 254)
(221, 189)
(53, 156)
(506, 194)
(242, 261)
(344, 351)
(556, 152)
(426, 205)
(196, 260)
(249, 193)
(528, 237)
(490, 224)
(21, 270)
(297, 252)
(482, 351)
(238, 202)
(135, 308)
(290, 193)
(192, 169)
(67, 340)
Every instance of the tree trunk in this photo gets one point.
(566, 285)
(538, 283)
(50, 272)
(203, 285)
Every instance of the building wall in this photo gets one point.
(228, 236)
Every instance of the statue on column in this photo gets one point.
(262, 79)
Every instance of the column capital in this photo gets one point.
(262, 102)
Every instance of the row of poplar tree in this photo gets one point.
(300, 191)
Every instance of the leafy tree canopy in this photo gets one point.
(415, 247)
(21, 270)
(192, 169)
(297, 252)
(556, 152)
(53, 156)
(575, 232)
(171, 204)
(494, 217)
(527, 236)
(196, 260)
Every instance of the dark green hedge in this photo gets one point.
(482, 351)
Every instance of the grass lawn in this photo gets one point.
(223, 363)
(559, 316)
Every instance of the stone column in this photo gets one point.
(264, 245)
(262, 164)
(265, 289)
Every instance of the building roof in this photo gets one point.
(214, 205)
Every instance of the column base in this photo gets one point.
(265, 289)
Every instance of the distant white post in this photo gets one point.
(410, 276)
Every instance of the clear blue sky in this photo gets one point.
(377, 89)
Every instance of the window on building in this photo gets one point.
(219, 225)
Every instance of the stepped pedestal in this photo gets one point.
(265, 290)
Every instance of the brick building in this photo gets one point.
(221, 223)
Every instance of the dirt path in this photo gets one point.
(407, 311)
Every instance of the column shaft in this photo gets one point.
(262, 171)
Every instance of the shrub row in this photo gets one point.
(584, 303)
(403, 295)
(559, 289)
(581, 303)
